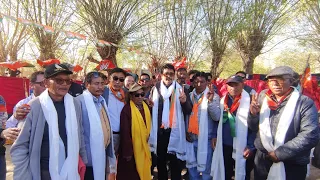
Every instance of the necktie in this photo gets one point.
(105, 126)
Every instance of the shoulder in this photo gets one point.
(126, 109)
(306, 101)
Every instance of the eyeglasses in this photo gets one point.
(41, 83)
(138, 95)
(61, 81)
(169, 74)
(116, 78)
(145, 80)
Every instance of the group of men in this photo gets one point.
(58, 136)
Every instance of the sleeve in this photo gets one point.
(214, 108)
(20, 151)
(307, 137)
(250, 139)
(12, 121)
(82, 146)
(187, 106)
(3, 112)
(2, 140)
(126, 146)
(253, 120)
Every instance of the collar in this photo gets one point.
(98, 100)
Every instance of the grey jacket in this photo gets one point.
(302, 135)
(25, 151)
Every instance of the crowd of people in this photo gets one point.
(121, 126)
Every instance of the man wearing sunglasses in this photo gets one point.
(97, 128)
(287, 125)
(51, 138)
(20, 110)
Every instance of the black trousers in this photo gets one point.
(262, 166)
(89, 173)
(163, 157)
(229, 163)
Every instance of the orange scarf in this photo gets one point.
(272, 101)
(193, 122)
(172, 109)
(234, 105)
(116, 94)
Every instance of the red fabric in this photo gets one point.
(77, 68)
(105, 64)
(81, 168)
(13, 90)
(15, 65)
(48, 62)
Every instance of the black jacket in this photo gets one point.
(302, 135)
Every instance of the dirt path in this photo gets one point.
(314, 172)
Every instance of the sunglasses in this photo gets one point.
(138, 95)
(145, 80)
(115, 78)
(61, 81)
(40, 83)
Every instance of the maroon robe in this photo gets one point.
(127, 169)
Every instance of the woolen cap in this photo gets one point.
(135, 87)
(280, 71)
(235, 79)
(54, 69)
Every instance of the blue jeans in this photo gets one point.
(194, 174)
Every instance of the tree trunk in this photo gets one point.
(248, 64)
(215, 62)
(108, 52)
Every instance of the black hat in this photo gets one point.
(54, 69)
(235, 79)
(281, 70)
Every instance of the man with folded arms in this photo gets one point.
(97, 129)
(51, 139)
(287, 124)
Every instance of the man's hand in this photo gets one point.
(188, 137)
(10, 133)
(21, 112)
(246, 153)
(254, 106)
(182, 97)
(273, 157)
(149, 102)
(210, 94)
(214, 143)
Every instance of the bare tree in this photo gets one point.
(51, 13)
(14, 34)
(222, 19)
(261, 20)
(184, 20)
(113, 20)
(311, 11)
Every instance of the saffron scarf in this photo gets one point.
(193, 121)
(239, 142)
(177, 141)
(140, 134)
(199, 160)
(277, 170)
(230, 111)
(118, 94)
(273, 103)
